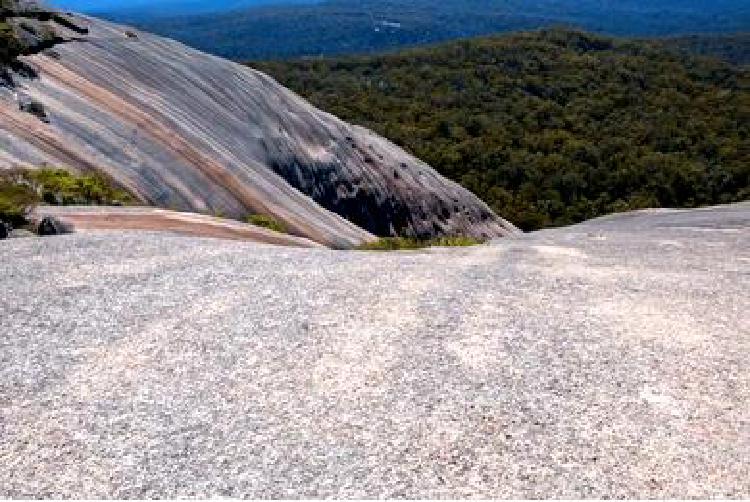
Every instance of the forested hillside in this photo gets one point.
(552, 127)
(346, 27)
(734, 48)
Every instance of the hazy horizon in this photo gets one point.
(191, 6)
(240, 30)
(207, 6)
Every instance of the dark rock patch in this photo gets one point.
(49, 226)
(35, 108)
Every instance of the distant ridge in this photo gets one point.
(368, 26)
(164, 7)
(732, 48)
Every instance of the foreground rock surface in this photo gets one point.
(603, 360)
(184, 130)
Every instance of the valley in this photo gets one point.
(331, 27)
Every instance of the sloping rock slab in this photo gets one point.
(77, 219)
(185, 130)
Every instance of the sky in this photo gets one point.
(206, 6)
(166, 5)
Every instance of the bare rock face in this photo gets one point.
(184, 130)
(56, 220)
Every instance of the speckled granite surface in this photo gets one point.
(604, 360)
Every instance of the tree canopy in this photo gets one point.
(551, 127)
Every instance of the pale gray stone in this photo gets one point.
(608, 359)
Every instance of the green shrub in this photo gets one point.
(10, 45)
(22, 190)
(269, 222)
(59, 187)
(16, 200)
(406, 243)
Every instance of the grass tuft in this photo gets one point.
(268, 222)
(406, 243)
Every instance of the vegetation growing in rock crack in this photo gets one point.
(268, 222)
(406, 243)
(552, 127)
(22, 190)
(16, 200)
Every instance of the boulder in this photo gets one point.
(49, 225)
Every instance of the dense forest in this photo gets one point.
(733, 48)
(367, 26)
(552, 127)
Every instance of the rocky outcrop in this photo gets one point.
(54, 220)
(184, 130)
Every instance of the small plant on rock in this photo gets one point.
(407, 243)
(16, 201)
(269, 222)
(59, 187)
(22, 190)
